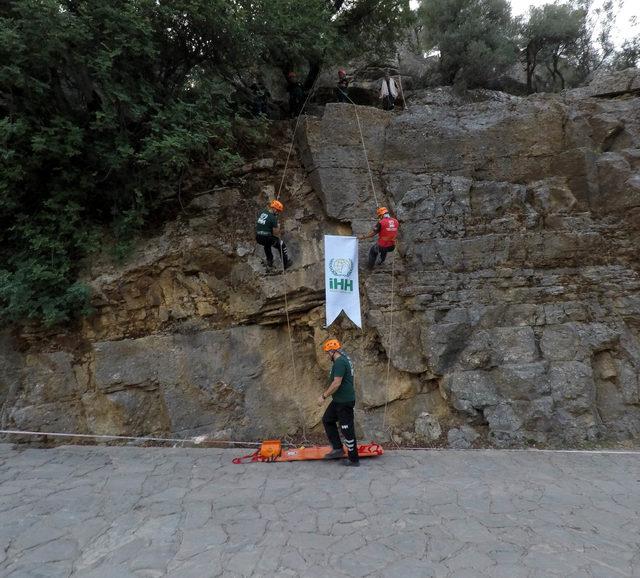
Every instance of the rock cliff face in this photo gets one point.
(516, 302)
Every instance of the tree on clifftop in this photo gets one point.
(324, 29)
(629, 55)
(475, 38)
(551, 35)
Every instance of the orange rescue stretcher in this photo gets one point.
(272, 451)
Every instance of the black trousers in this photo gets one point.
(388, 102)
(342, 94)
(341, 413)
(378, 250)
(269, 242)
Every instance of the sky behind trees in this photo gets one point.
(624, 27)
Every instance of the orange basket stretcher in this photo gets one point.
(272, 451)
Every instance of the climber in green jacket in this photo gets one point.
(267, 230)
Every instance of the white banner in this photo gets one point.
(341, 278)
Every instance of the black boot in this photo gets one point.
(334, 455)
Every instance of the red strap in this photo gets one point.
(254, 457)
(374, 449)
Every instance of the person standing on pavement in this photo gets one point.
(387, 230)
(267, 230)
(340, 410)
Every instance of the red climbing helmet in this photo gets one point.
(342, 72)
(291, 74)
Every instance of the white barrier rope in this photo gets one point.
(194, 440)
(202, 439)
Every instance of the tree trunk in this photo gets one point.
(314, 71)
(531, 67)
(556, 70)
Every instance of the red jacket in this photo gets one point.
(388, 232)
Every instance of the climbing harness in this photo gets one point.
(271, 451)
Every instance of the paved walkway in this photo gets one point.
(119, 512)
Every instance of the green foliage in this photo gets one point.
(287, 36)
(629, 55)
(105, 108)
(594, 48)
(475, 38)
(551, 36)
(372, 26)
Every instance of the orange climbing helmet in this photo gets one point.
(276, 206)
(381, 212)
(331, 345)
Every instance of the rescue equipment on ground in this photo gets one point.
(272, 451)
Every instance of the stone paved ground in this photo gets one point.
(119, 512)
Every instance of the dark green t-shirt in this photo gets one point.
(342, 367)
(266, 222)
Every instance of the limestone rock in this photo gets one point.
(427, 428)
(608, 83)
(461, 438)
(516, 299)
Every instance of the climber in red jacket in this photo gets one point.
(387, 231)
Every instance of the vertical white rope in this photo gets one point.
(293, 357)
(293, 138)
(404, 102)
(393, 263)
(284, 276)
(364, 149)
(366, 156)
(390, 338)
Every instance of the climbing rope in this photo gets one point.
(293, 137)
(364, 149)
(390, 344)
(284, 275)
(404, 102)
(293, 357)
(393, 262)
